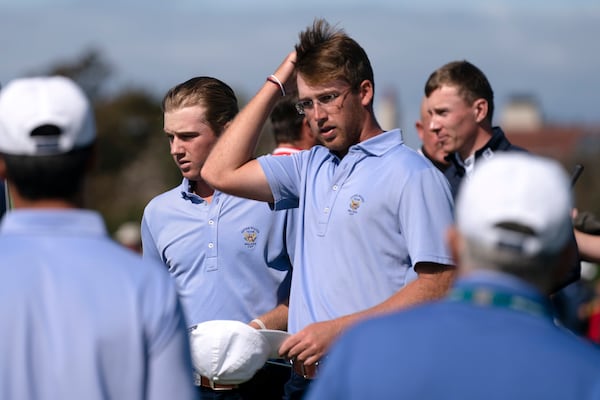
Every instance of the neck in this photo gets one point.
(43, 203)
(18, 201)
(370, 129)
(288, 145)
(478, 142)
(202, 189)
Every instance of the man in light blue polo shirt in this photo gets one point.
(82, 317)
(227, 254)
(372, 211)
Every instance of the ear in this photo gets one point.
(568, 257)
(420, 130)
(366, 93)
(92, 159)
(480, 110)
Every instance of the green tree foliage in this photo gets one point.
(132, 163)
(91, 71)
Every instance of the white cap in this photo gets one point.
(229, 352)
(128, 233)
(518, 188)
(30, 103)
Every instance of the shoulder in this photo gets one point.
(163, 199)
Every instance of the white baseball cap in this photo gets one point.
(230, 352)
(44, 116)
(516, 188)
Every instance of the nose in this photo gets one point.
(434, 124)
(176, 147)
(318, 114)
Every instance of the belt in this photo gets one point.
(305, 371)
(209, 383)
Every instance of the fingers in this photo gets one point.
(301, 348)
(308, 357)
(285, 350)
(286, 71)
(292, 57)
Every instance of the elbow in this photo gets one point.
(210, 176)
(217, 178)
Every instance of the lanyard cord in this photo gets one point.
(488, 297)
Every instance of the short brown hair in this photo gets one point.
(471, 83)
(325, 54)
(286, 123)
(214, 95)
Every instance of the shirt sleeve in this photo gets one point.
(149, 249)
(283, 176)
(426, 212)
(170, 372)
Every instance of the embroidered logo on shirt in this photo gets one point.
(250, 235)
(355, 203)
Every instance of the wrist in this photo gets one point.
(275, 80)
(259, 323)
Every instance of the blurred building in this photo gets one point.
(386, 110)
(522, 113)
(523, 122)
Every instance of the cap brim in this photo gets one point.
(275, 338)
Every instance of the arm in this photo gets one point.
(170, 370)
(589, 246)
(274, 319)
(149, 250)
(230, 167)
(169, 363)
(310, 344)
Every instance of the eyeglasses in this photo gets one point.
(325, 101)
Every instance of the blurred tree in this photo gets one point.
(90, 70)
(133, 162)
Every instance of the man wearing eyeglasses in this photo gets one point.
(373, 212)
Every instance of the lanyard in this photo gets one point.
(489, 297)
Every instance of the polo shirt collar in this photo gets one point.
(186, 194)
(33, 221)
(380, 144)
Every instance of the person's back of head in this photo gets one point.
(47, 131)
(514, 217)
(326, 54)
(286, 122)
(216, 97)
(470, 81)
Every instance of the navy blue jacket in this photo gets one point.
(498, 142)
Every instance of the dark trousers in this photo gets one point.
(296, 387)
(267, 384)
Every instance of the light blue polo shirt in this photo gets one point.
(366, 220)
(83, 317)
(228, 256)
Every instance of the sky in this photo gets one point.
(549, 49)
